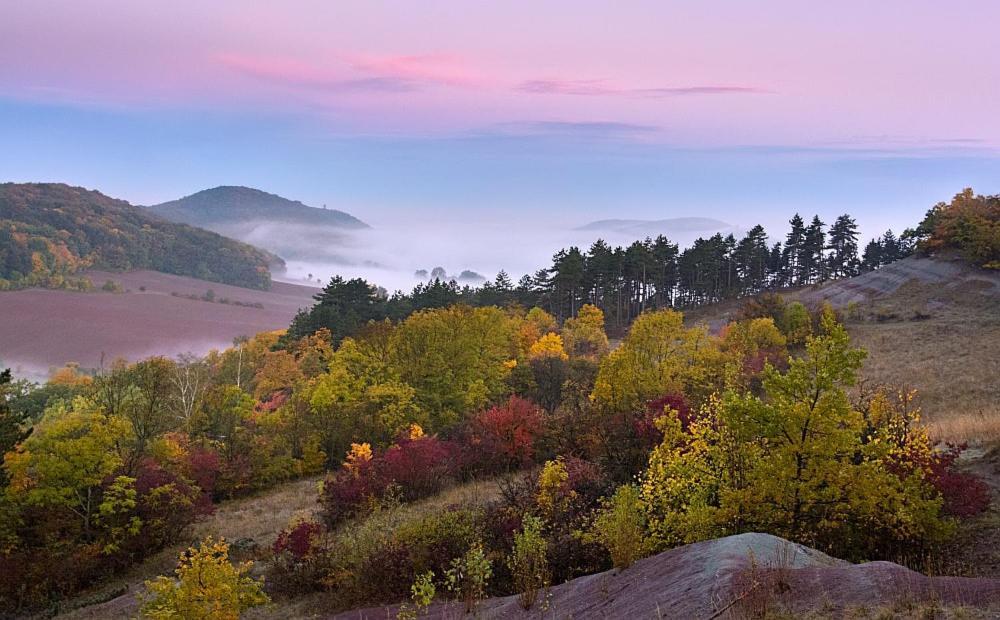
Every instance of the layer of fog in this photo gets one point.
(391, 255)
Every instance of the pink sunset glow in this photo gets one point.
(711, 73)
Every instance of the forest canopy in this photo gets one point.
(49, 232)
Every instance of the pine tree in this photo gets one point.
(843, 261)
(812, 265)
(793, 248)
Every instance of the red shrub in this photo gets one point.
(347, 490)
(420, 467)
(417, 467)
(965, 494)
(503, 438)
(299, 540)
(203, 467)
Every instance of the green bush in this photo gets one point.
(468, 576)
(528, 562)
(620, 527)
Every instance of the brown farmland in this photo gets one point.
(41, 329)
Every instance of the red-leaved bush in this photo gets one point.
(503, 437)
(299, 540)
(417, 467)
(965, 494)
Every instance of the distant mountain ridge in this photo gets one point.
(51, 231)
(664, 226)
(229, 204)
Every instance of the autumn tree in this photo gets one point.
(455, 358)
(207, 585)
(584, 335)
(65, 462)
(658, 356)
(146, 407)
(794, 462)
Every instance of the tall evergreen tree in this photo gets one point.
(843, 260)
(812, 263)
(793, 249)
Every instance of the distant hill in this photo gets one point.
(657, 227)
(51, 231)
(226, 205)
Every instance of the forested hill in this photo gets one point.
(229, 204)
(50, 231)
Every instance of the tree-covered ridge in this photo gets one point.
(50, 231)
(228, 204)
(625, 281)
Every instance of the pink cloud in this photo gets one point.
(356, 73)
(290, 72)
(605, 88)
(443, 69)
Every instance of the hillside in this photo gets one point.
(288, 228)
(927, 323)
(225, 205)
(50, 231)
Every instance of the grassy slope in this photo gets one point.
(948, 353)
(260, 518)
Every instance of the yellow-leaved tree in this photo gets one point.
(584, 335)
(659, 356)
(797, 461)
(207, 585)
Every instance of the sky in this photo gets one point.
(512, 114)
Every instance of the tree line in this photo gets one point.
(652, 273)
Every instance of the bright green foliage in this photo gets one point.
(66, 459)
(116, 514)
(659, 356)
(620, 527)
(528, 562)
(455, 358)
(468, 576)
(794, 463)
(423, 590)
(207, 586)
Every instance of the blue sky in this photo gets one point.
(551, 113)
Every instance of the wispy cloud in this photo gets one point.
(441, 69)
(294, 73)
(606, 88)
(356, 73)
